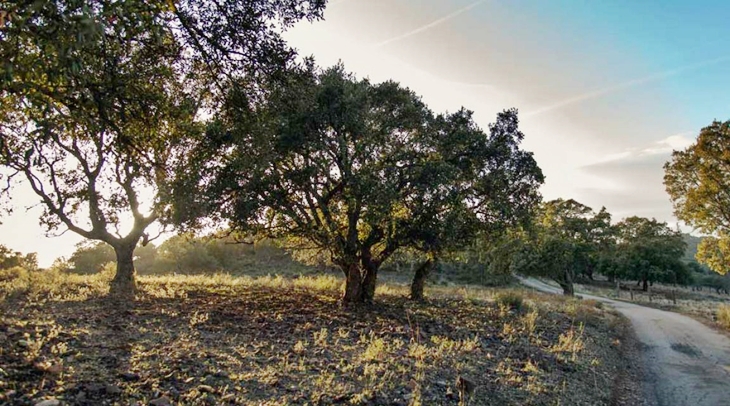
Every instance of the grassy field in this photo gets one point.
(208, 340)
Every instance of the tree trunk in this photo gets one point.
(419, 279)
(123, 286)
(645, 285)
(369, 283)
(567, 284)
(353, 285)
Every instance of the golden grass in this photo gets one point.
(723, 316)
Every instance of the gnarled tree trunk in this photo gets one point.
(354, 289)
(124, 286)
(567, 283)
(419, 279)
(369, 283)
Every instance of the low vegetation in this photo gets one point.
(723, 315)
(707, 305)
(218, 339)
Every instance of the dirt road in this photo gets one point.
(687, 362)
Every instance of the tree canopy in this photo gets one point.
(649, 251)
(359, 170)
(698, 182)
(568, 239)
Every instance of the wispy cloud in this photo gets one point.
(432, 24)
(625, 85)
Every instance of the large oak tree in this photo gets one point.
(98, 97)
(356, 169)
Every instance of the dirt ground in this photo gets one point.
(260, 344)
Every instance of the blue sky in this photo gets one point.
(606, 89)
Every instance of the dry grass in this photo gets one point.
(277, 340)
(723, 316)
(705, 306)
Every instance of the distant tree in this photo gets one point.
(185, 253)
(10, 259)
(91, 256)
(97, 98)
(649, 251)
(357, 170)
(567, 239)
(145, 258)
(698, 182)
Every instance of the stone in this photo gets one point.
(49, 402)
(161, 401)
(130, 376)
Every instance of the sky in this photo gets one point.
(605, 90)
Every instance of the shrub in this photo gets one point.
(510, 299)
(723, 315)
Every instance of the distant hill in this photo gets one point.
(692, 243)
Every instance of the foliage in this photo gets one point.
(90, 257)
(715, 253)
(11, 259)
(510, 299)
(98, 98)
(567, 239)
(357, 170)
(650, 251)
(698, 182)
(723, 316)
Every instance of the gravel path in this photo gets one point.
(687, 362)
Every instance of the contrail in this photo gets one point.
(626, 85)
(432, 24)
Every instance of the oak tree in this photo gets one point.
(98, 97)
(356, 169)
(567, 239)
(650, 251)
(698, 182)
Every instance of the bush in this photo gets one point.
(510, 299)
(723, 316)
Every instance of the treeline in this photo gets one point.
(11, 259)
(188, 254)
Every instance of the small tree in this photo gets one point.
(698, 182)
(90, 257)
(10, 259)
